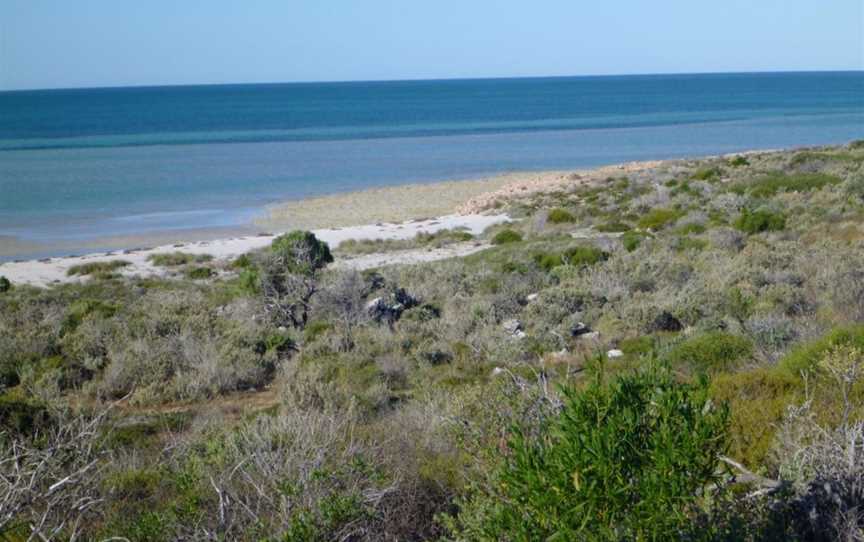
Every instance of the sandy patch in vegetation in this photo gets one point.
(55, 270)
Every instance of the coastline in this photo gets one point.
(398, 212)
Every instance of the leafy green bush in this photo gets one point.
(581, 256)
(657, 219)
(712, 351)
(96, 268)
(301, 252)
(21, 415)
(174, 259)
(706, 174)
(806, 357)
(506, 236)
(770, 185)
(199, 273)
(624, 461)
(561, 216)
(739, 161)
(757, 400)
(5, 285)
(631, 240)
(752, 222)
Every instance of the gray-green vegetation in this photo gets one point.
(668, 363)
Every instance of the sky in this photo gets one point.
(92, 43)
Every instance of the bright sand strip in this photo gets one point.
(53, 270)
(375, 205)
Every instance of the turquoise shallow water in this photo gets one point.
(81, 164)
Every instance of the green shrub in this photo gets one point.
(706, 174)
(581, 256)
(805, 358)
(770, 185)
(753, 222)
(625, 461)
(857, 144)
(20, 415)
(81, 309)
(249, 281)
(199, 273)
(757, 400)
(631, 240)
(712, 351)
(561, 216)
(585, 256)
(242, 261)
(96, 268)
(504, 237)
(739, 161)
(612, 227)
(5, 285)
(174, 259)
(301, 252)
(657, 219)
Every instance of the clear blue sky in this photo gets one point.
(75, 43)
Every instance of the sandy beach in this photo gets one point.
(399, 212)
(48, 271)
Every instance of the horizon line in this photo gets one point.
(423, 79)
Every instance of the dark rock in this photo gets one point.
(666, 322)
(579, 330)
(390, 308)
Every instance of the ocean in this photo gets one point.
(86, 163)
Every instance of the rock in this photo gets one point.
(614, 353)
(580, 329)
(531, 297)
(497, 371)
(512, 326)
(666, 322)
(591, 336)
(390, 308)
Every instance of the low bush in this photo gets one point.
(96, 268)
(581, 256)
(753, 222)
(506, 236)
(625, 461)
(631, 240)
(5, 285)
(612, 227)
(560, 216)
(712, 351)
(758, 400)
(739, 161)
(770, 185)
(659, 218)
(706, 174)
(199, 273)
(174, 259)
(806, 357)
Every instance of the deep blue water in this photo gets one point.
(84, 163)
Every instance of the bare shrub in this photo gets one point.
(826, 464)
(49, 483)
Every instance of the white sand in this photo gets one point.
(53, 270)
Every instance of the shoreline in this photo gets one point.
(50, 271)
(397, 212)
